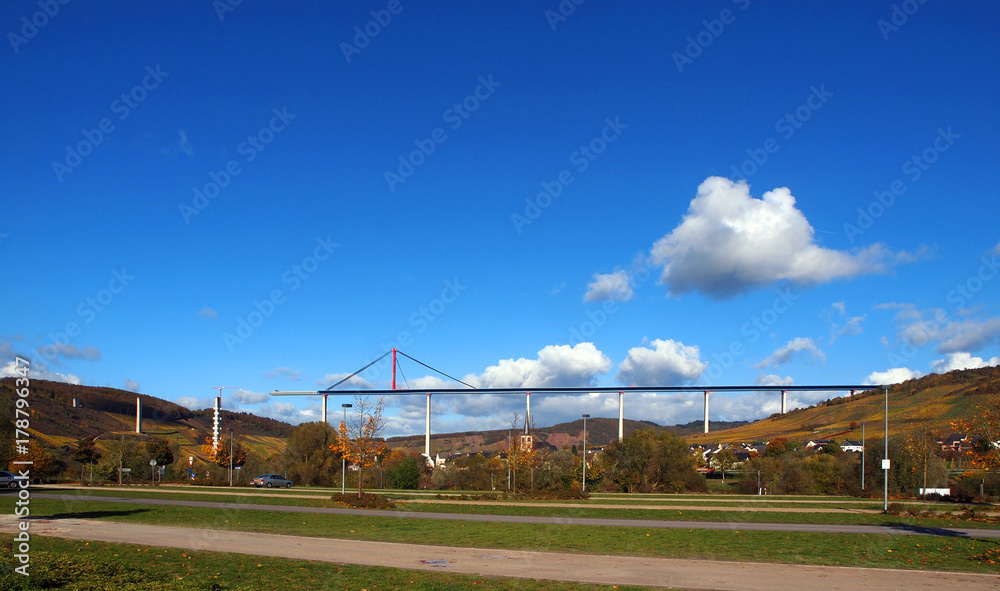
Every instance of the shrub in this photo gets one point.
(555, 495)
(894, 509)
(366, 501)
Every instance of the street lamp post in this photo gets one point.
(343, 458)
(885, 461)
(585, 417)
(230, 457)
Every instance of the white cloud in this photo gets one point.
(730, 242)
(38, 372)
(894, 375)
(840, 307)
(774, 380)
(184, 144)
(68, 351)
(287, 373)
(431, 383)
(920, 327)
(241, 396)
(851, 327)
(783, 354)
(968, 335)
(355, 383)
(208, 313)
(609, 286)
(556, 365)
(288, 412)
(667, 362)
(190, 402)
(996, 249)
(131, 385)
(961, 360)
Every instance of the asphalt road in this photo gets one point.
(889, 529)
(591, 568)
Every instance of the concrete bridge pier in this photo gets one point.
(621, 415)
(427, 431)
(706, 411)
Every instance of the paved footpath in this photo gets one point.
(590, 568)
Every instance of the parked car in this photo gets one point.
(271, 481)
(9, 479)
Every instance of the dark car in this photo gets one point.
(271, 481)
(9, 479)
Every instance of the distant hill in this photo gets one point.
(931, 402)
(600, 431)
(102, 412)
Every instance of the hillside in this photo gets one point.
(600, 431)
(930, 402)
(101, 412)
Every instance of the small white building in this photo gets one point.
(849, 445)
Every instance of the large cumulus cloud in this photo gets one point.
(730, 242)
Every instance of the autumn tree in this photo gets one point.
(7, 428)
(833, 448)
(520, 456)
(777, 447)
(123, 451)
(360, 438)
(402, 470)
(220, 455)
(645, 461)
(86, 453)
(558, 471)
(43, 464)
(159, 449)
(984, 426)
(310, 456)
(725, 459)
(919, 463)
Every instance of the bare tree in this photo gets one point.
(519, 454)
(360, 439)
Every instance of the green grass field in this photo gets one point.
(593, 509)
(886, 551)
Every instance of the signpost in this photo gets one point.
(152, 471)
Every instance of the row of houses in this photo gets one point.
(956, 442)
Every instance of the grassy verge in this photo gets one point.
(500, 508)
(886, 551)
(715, 515)
(72, 565)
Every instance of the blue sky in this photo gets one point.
(530, 193)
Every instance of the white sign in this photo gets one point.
(885, 464)
(126, 469)
(152, 462)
